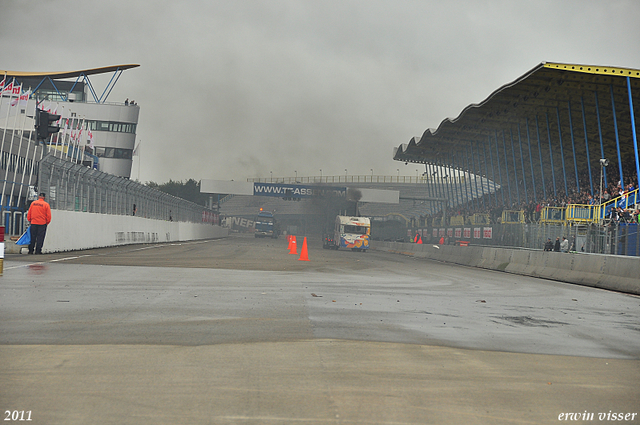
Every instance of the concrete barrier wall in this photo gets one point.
(616, 273)
(70, 230)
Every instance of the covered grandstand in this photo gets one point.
(550, 140)
(542, 136)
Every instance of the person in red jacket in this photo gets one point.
(39, 216)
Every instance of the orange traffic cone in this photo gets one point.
(293, 249)
(304, 254)
(289, 242)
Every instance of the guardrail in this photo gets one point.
(552, 215)
(512, 217)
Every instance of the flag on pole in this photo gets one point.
(136, 151)
(90, 139)
(21, 99)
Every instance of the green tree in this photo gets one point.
(189, 190)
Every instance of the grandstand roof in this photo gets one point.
(549, 93)
(69, 74)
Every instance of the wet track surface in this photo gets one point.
(240, 298)
(177, 294)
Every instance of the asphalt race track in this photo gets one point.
(239, 331)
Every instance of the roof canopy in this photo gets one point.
(557, 118)
(62, 89)
(69, 74)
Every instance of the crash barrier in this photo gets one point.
(616, 238)
(71, 230)
(610, 272)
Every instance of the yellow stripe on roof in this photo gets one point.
(69, 74)
(592, 69)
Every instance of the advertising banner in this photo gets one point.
(477, 232)
(458, 232)
(467, 232)
(283, 190)
(487, 232)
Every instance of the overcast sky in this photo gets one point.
(238, 89)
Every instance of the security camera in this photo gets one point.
(604, 162)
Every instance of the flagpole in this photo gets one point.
(13, 135)
(35, 152)
(80, 144)
(26, 157)
(19, 156)
(6, 121)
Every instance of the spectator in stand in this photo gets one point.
(548, 245)
(556, 246)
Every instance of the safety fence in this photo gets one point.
(613, 238)
(73, 187)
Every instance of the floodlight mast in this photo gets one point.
(603, 163)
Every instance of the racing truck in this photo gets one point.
(349, 232)
(266, 225)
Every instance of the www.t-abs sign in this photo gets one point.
(283, 190)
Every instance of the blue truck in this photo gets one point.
(266, 225)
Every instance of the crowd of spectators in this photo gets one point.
(492, 204)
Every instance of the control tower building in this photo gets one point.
(109, 128)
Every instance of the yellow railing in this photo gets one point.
(580, 213)
(512, 217)
(480, 219)
(457, 220)
(627, 201)
(552, 215)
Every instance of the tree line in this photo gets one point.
(189, 190)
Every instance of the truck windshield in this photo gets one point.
(359, 230)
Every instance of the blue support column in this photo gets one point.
(586, 143)
(506, 167)
(515, 167)
(615, 126)
(633, 129)
(458, 179)
(484, 176)
(435, 176)
(434, 187)
(573, 146)
(564, 170)
(595, 93)
(468, 178)
(553, 172)
(533, 176)
(452, 183)
(524, 177)
(499, 170)
(476, 174)
(429, 188)
(542, 177)
(494, 199)
(454, 191)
